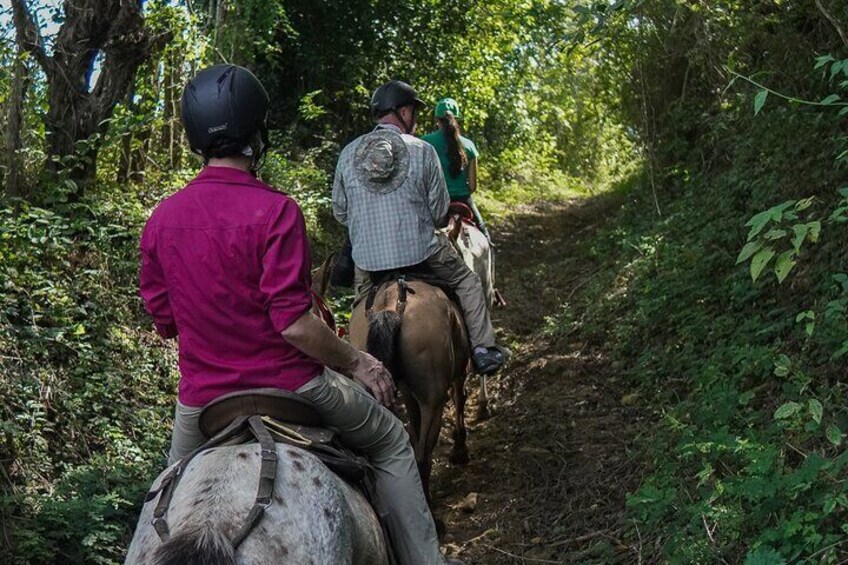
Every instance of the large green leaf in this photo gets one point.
(833, 434)
(760, 260)
(764, 556)
(771, 235)
(823, 60)
(816, 410)
(800, 231)
(786, 410)
(784, 264)
(759, 101)
(748, 250)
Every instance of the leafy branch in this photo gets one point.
(760, 99)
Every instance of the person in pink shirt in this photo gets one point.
(225, 270)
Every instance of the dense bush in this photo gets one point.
(747, 457)
(86, 384)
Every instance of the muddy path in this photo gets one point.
(550, 470)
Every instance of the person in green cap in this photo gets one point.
(458, 156)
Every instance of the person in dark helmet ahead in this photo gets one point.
(226, 269)
(390, 192)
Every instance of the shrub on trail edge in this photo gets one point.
(744, 463)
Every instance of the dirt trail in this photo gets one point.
(551, 468)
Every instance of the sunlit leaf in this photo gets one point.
(787, 410)
(800, 231)
(748, 250)
(816, 410)
(833, 434)
(759, 261)
(771, 235)
(815, 230)
(784, 264)
(759, 101)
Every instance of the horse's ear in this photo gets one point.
(321, 276)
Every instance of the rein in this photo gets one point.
(323, 310)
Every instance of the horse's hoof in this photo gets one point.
(483, 413)
(459, 456)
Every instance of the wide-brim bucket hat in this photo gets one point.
(381, 161)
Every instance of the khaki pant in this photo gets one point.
(363, 424)
(446, 264)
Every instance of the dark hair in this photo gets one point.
(456, 152)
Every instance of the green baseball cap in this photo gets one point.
(446, 105)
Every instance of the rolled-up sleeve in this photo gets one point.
(339, 195)
(285, 281)
(153, 288)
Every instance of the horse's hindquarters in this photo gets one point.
(314, 516)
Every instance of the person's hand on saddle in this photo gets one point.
(374, 376)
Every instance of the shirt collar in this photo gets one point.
(389, 127)
(227, 175)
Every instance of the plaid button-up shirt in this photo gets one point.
(393, 229)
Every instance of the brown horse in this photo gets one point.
(420, 335)
(425, 346)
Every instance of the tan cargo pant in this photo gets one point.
(446, 264)
(363, 424)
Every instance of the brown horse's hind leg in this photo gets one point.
(459, 452)
(413, 416)
(431, 425)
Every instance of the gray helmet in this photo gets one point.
(393, 95)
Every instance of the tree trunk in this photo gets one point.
(171, 90)
(14, 120)
(176, 126)
(78, 113)
(126, 164)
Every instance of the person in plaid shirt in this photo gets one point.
(390, 192)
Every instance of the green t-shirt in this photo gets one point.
(458, 185)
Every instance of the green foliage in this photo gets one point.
(744, 455)
(783, 240)
(746, 462)
(84, 385)
(87, 388)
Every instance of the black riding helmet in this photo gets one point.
(224, 109)
(393, 95)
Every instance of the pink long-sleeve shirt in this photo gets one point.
(225, 266)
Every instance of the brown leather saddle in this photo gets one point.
(420, 273)
(289, 417)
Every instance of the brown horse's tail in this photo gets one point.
(383, 329)
(198, 544)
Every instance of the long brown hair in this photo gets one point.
(456, 152)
